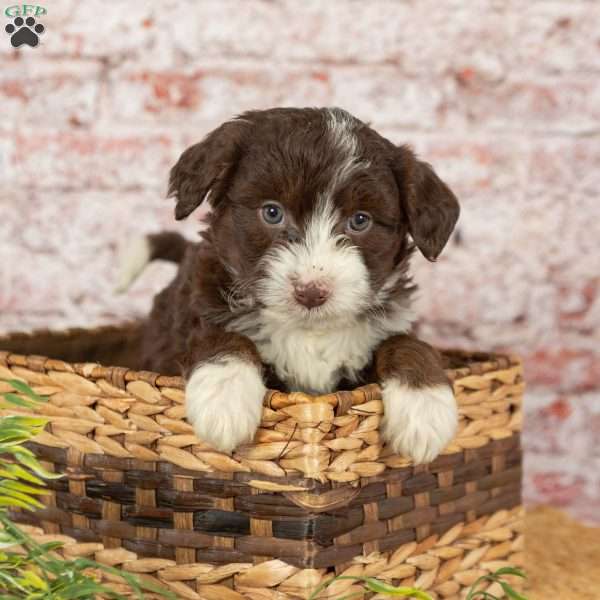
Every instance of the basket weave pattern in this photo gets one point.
(315, 494)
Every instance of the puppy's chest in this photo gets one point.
(312, 360)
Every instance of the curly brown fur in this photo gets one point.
(314, 299)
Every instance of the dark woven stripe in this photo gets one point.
(302, 538)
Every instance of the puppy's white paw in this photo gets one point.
(418, 423)
(224, 402)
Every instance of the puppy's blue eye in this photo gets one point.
(272, 213)
(359, 222)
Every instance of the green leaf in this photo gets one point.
(31, 462)
(21, 487)
(510, 571)
(87, 588)
(19, 472)
(13, 438)
(321, 587)
(17, 452)
(5, 535)
(379, 587)
(34, 502)
(12, 428)
(508, 590)
(4, 546)
(28, 421)
(34, 580)
(14, 502)
(36, 573)
(18, 401)
(51, 546)
(6, 474)
(374, 585)
(12, 582)
(22, 387)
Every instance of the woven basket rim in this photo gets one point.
(476, 363)
(305, 445)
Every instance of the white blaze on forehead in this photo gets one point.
(342, 126)
(320, 239)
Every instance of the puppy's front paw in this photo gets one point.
(418, 422)
(224, 402)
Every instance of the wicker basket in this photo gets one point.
(314, 495)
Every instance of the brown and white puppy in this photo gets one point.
(301, 279)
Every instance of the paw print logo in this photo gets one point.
(24, 32)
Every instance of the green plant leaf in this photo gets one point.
(510, 592)
(5, 536)
(15, 503)
(18, 472)
(18, 401)
(17, 451)
(22, 387)
(32, 502)
(34, 580)
(6, 474)
(11, 581)
(10, 431)
(510, 571)
(474, 593)
(36, 571)
(4, 489)
(51, 546)
(12, 441)
(21, 487)
(87, 588)
(30, 461)
(27, 421)
(379, 587)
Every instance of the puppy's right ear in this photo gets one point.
(206, 167)
(430, 206)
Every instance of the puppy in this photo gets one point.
(301, 279)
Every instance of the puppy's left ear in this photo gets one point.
(206, 167)
(430, 206)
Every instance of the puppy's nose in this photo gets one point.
(293, 236)
(311, 295)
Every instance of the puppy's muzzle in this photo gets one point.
(311, 295)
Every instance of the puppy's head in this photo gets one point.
(312, 209)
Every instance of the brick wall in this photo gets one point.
(501, 96)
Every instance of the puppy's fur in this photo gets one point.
(314, 302)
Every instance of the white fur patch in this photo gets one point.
(312, 350)
(418, 423)
(341, 126)
(131, 263)
(323, 257)
(223, 402)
